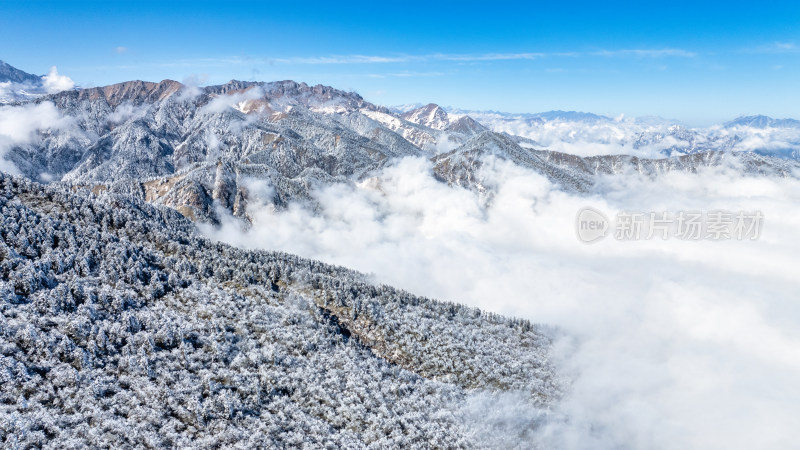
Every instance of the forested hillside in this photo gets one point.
(122, 327)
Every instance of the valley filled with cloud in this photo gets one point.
(669, 344)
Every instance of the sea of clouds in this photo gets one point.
(668, 344)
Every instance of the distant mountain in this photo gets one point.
(571, 116)
(762, 122)
(461, 166)
(405, 107)
(430, 115)
(17, 85)
(11, 74)
(465, 125)
(676, 140)
(435, 117)
(650, 137)
(540, 117)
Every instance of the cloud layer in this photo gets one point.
(21, 125)
(53, 82)
(643, 137)
(668, 344)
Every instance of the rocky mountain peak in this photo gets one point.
(466, 125)
(430, 115)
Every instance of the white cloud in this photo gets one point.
(195, 80)
(490, 56)
(455, 57)
(499, 56)
(618, 136)
(212, 147)
(648, 53)
(6, 89)
(574, 137)
(53, 82)
(126, 112)
(121, 49)
(238, 100)
(406, 74)
(20, 125)
(347, 59)
(444, 144)
(670, 344)
(773, 48)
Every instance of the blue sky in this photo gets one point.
(700, 63)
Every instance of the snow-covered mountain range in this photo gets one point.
(651, 137)
(196, 149)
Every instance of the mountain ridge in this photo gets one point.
(762, 121)
(9, 73)
(196, 149)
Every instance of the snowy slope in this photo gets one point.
(120, 327)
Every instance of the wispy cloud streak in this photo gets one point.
(359, 59)
(647, 53)
(517, 56)
(773, 48)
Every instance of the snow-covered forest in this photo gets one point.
(122, 327)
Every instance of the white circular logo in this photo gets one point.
(591, 225)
